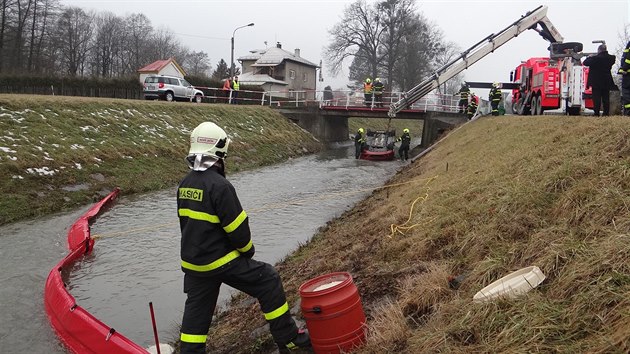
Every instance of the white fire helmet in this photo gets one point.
(208, 140)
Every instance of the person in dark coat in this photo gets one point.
(600, 79)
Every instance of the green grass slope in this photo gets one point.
(494, 196)
(62, 152)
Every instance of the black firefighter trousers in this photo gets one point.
(252, 277)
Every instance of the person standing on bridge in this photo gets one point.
(227, 87)
(378, 92)
(600, 79)
(236, 86)
(216, 248)
(624, 71)
(405, 140)
(367, 92)
(495, 98)
(359, 143)
(464, 92)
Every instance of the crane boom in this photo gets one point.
(531, 20)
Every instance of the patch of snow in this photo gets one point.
(78, 166)
(44, 171)
(6, 149)
(17, 177)
(76, 146)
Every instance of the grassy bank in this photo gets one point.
(61, 152)
(495, 196)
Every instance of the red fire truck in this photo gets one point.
(548, 84)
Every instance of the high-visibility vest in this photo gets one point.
(367, 87)
(235, 85)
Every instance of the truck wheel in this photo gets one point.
(169, 97)
(538, 106)
(198, 98)
(534, 106)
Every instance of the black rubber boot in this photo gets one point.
(301, 341)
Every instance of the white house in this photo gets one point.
(167, 67)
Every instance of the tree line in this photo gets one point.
(389, 39)
(44, 38)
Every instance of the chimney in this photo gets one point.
(278, 45)
(297, 52)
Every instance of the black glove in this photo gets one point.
(250, 253)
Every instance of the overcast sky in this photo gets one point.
(207, 25)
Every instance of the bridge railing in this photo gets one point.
(347, 99)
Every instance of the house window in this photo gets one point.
(304, 77)
(292, 74)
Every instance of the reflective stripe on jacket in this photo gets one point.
(214, 226)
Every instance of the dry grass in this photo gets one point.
(500, 194)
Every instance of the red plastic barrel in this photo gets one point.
(334, 316)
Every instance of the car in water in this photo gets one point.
(170, 88)
(379, 145)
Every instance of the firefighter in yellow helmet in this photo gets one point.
(405, 140)
(216, 248)
(359, 142)
(378, 88)
(495, 97)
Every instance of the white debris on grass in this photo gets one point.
(41, 115)
(39, 148)
(48, 158)
(17, 177)
(78, 166)
(130, 112)
(128, 157)
(76, 146)
(55, 145)
(88, 127)
(12, 158)
(97, 159)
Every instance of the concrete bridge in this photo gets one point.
(330, 123)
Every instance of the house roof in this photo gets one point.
(274, 56)
(158, 65)
(250, 78)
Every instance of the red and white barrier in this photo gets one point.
(79, 331)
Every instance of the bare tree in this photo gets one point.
(139, 31)
(107, 43)
(197, 64)
(449, 51)
(74, 35)
(358, 35)
(397, 17)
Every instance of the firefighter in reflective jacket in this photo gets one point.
(359, 143)
(464, 91)
(405, 140)
(216, 248)
(624, 71)
(495, 97)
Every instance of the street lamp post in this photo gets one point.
(232, 52)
